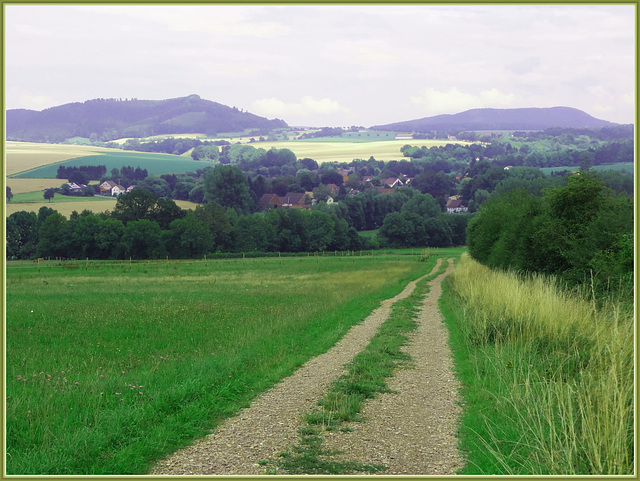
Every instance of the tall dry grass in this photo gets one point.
(565, 369)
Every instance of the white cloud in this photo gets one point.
(223, 20)
(229, 69)
(307, 106)
(31, 30)
(453, 100)
(37, 102)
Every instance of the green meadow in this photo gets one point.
(112, 365)
(155, 164)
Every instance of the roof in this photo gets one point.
(455, 204)
(269, 199)
(294, 198)
(391, 181)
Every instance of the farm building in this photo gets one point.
(404, 136)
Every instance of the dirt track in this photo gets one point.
(411, 432)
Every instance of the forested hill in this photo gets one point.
(108, 119)
(500, 119)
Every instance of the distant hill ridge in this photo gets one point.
(501, 119)
(110, 119)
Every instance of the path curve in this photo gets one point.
(270, 424)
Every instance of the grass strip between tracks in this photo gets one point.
(342, 403)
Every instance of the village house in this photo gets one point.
(295, 200)
(333, 188)
(109, 187)
(392, 182)
(344, 173)
(455, 206)
(269, 201)
(75, 187)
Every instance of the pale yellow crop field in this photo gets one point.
(21, 156)
(347, 151)
(66, 208)
(22, 186)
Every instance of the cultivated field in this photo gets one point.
(22, 156)
(23, 186)
(155, 164)
(66, 205)
(341, 151)
(111, 365)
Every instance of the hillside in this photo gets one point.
(110, 119)
(500, 119)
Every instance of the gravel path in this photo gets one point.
(423, 427)
(412, 431)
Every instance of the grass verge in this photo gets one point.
(365, 377)
(547, 378)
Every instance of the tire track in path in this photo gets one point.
(271, 423)
(412, 431)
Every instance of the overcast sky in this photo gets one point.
(327, 65)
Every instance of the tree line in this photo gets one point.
(143, 225)
(580, 231)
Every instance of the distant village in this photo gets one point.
(291, 200)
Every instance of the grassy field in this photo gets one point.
(548, 378)
(110, 365)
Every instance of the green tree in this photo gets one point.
(135, 205)
(9, 194)
(108, 239)
(423, 205)
(22, 235)
(156, 185)
(319, 231)
(214, 217)
(165, 212)
(189, 238)
(210, 153)
(253, 233)
(49, 194)
(226, 185)
(51, 242)
(142, 239)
